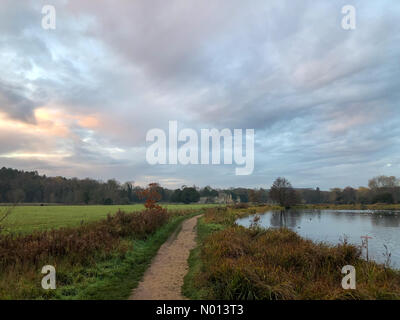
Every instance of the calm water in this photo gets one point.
(331, 226)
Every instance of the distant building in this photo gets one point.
(222, 198)
(204, 200)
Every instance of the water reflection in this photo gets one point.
(388, 221)
(284, 219)
(331, 226)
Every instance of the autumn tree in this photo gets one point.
(151, 196)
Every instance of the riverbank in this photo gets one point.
(232, 262)
(377, 206)
(101, 260)
(322, 206)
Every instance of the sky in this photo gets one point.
(78, 101)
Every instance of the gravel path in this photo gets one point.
(163, 280)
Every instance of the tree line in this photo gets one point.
(381, 189)
(17, 186)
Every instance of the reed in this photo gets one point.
(240, 263)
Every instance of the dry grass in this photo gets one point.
(240, 263)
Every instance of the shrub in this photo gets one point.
(241, 205)
(80, 245)
(242, 263)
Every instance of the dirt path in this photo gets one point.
(164, 278)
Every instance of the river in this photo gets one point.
(332, 226)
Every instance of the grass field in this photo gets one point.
(25, 219)
(101, 260)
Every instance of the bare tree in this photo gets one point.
(283, 193)
(383, 182)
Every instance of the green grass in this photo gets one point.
(118, 278)
(190, 289)
(25, 219)
(112, 279)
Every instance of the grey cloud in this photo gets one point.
(15, 104)
(323, 101)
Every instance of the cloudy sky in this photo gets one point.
(323, 101)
